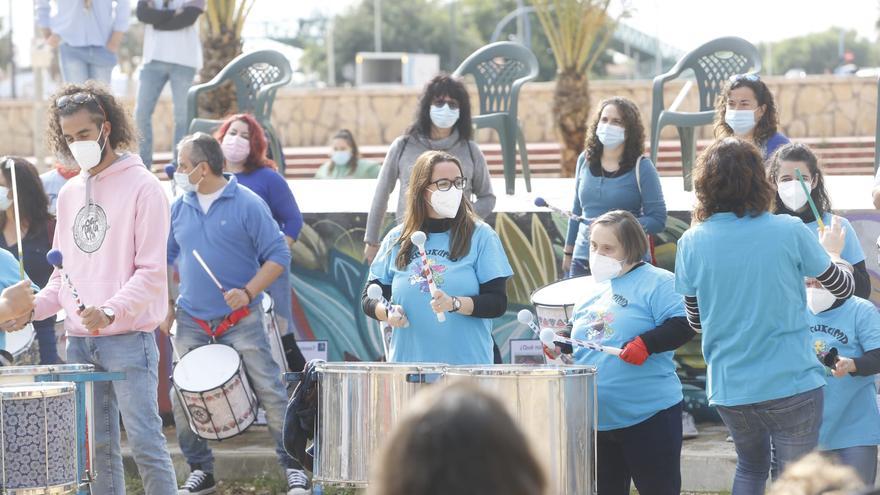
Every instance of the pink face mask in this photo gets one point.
(235, 148)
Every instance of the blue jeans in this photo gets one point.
(248, 337)
(82, 63)
(579, 266)
(45, 330)
(281, 294)
(863, 459)
(792, 423)
(137, 399)
(154, 75)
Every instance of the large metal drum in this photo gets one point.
(556, 408)
(358, 405)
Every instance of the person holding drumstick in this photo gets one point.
(466, 265)
(633, 306)
(741, 271)
(231, 229)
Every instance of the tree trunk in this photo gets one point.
(571, 107)
(219, 50)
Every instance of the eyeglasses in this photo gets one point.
(751, 77)
(446, 184)
(439, 102)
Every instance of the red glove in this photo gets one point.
(635, 352)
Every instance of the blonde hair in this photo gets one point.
(816, 474)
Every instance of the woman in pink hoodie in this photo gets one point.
(112, 230)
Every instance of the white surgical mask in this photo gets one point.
(444, 117)
(341, 157)
(87, 153)
(792, 194)
(741, 121)
(446, 203)
(819, 300)
(611, 136)
(604, 267)
(182, 181)
(5, 200)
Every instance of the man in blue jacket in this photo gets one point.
(231, 228)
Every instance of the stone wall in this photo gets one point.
(819, 106)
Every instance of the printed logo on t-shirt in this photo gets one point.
(419, 276)
(598, 324)
(620, 300)
(833, 332)
(90, 228)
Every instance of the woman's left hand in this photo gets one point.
(441, 302)
(843, 367)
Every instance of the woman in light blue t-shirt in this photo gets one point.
(467, 264)
(613, 174)
(634, 306)
(845, 336)
(741, 271)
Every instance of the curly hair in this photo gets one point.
(797, 152)
(817, 473)
(256, 136)
(104, 106)
(634, 132)
(765, 128)
(729, 176)
(443, 85)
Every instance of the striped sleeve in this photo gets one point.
(693, 313)
(838, 281)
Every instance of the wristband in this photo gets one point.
(250, 296)
(567, 253)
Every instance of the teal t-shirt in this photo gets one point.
(850, 417)
(9, 275)
(460, 339)
(852, 251)
(618, 311)
(748, 275)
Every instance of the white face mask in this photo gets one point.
(182, 181)
(444, 117)
(819, 300)
(341, 157)
(604, 267)
(792, 194)
(5, 200)
(446, 203)
(741, 121)
(87, 153)
(611, 136)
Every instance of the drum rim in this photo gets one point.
(532, 295)
(521, 370)
(336, 367)
(44, 369)
(222, 384)
(61, 489)
(22, 391)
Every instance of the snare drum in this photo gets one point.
(273, 333)
(358, 406)
(21, 345)
(38, 438)
(556, 409)
(554, 303)
(214, 391)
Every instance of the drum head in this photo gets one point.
(20, 341)
(563, 293)
(206, 368)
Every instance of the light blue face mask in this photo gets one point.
(341, 157)
(611, 136)
(182, 181)
(741, 121)
(444, 117)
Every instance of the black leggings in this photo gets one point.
(648, 454)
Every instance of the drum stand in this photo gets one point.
(84, 426)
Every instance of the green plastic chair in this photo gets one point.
(499, 70)
(257, 77)
(712, 64)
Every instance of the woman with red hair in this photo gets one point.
(244, 146)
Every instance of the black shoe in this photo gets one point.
(198, 483)
(298, 483)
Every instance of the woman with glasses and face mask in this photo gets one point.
(467, 264)
(612, 174)
(746, 109)
(442, 123)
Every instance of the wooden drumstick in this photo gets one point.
(418, 238)
(10, 164)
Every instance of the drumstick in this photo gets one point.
(527, 318)
(539, 201)
(208, 270)
(374, 292)
(55, 259)
(819, 221)
(418, 238)
(549, 338)
(10, 164)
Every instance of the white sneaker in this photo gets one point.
(688, 426)
(298, 483)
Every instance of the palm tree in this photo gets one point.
(221, 42)
(578, 31)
